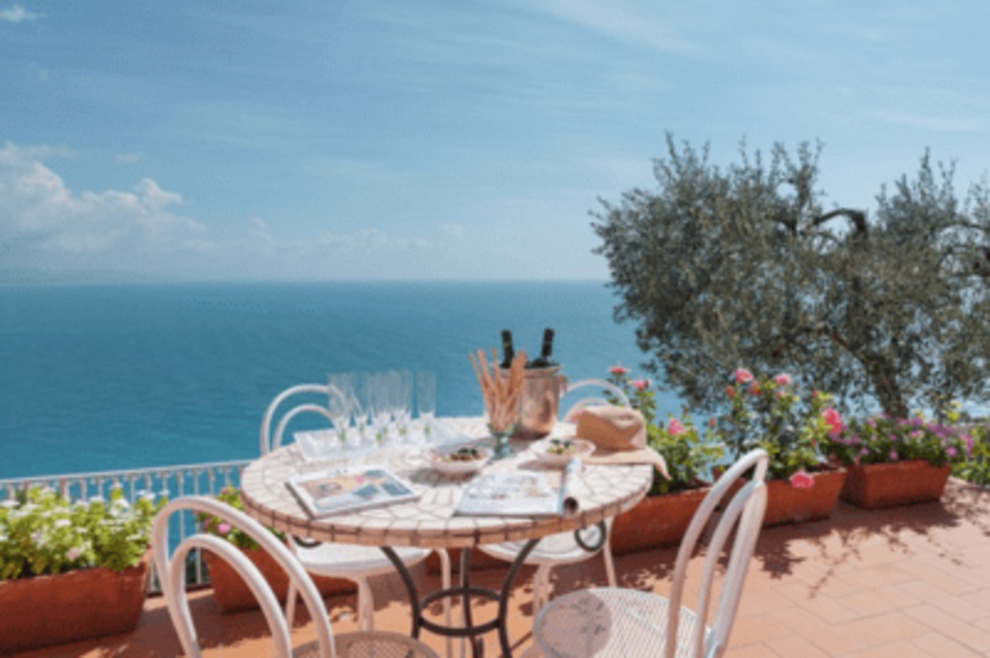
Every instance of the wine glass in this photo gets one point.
(403, 401)
(426, 400)
(380, 405)
(361, 404)
(339, 407)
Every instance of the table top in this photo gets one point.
(604, 491)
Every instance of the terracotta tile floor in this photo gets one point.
(911, 581)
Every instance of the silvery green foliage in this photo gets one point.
(743, 266)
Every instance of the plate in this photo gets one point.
(440, 459)
(543, 453)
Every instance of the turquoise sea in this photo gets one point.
(111, 376)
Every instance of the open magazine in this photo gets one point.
(520, 494)
(348, 489)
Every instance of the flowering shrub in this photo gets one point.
(689, 454)
(216, 526)
(42, 533)
(881, 440)
(768, 413)
(976, 468)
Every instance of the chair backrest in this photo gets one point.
(270, 440)
(744, 513)
(618, 393)
(171, 574)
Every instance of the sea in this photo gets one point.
(106, 377)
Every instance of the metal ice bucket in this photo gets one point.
(542, 391)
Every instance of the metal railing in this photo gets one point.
(171, 481)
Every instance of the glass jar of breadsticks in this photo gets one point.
(502, 391)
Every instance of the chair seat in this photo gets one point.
(374, 644)
(333, 559)
(560, 548)
(610, 621)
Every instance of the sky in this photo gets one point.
(422, 139)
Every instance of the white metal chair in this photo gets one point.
(355, 563)
(625, 622)
(563, 548)
(171, 573)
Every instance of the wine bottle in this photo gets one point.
(508, 353)
(545, 360)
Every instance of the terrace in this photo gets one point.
(909, 581)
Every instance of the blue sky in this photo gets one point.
(415, 139)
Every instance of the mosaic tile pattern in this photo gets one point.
(430, 522)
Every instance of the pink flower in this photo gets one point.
(730, 392)
(951, 452)
(618, 370)
(833, 419)
(779, 394)
(223, 528)
(754, 388)
(802, 480)
(73, 554)
(893, 455)
(641, 384)
(743, 376)
(675, 427)
(783, 379)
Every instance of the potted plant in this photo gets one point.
(768, 413)
(230, 591)
(59, 557)
(897, 461)
(664, 515)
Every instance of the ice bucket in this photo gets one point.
(542, 391)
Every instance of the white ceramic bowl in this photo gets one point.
(439, 461)
(542, 450)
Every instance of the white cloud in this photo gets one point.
(17, 14)
(129, 158)
(933, 123)
(50, 229)
(44, 219)
(453, 230)
(612, 21)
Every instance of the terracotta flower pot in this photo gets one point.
(873, 486)
(77, 605)
(233, 595)
(789, 504)
(656, 521)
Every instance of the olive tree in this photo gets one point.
(743, 266)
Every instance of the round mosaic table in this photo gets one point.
(603, 492)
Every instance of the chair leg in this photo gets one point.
(609, 563)
(365, 606)
(445, 583)
(290, 604)
(541, 587)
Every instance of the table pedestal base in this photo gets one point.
(465, 591)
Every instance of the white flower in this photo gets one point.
(9, 504)
(73, 554)
(97, 499)
(38, 537)
(63, 523)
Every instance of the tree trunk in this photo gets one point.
(886, 388)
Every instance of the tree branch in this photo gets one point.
(857, 217)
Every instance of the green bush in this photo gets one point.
(42, 533)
